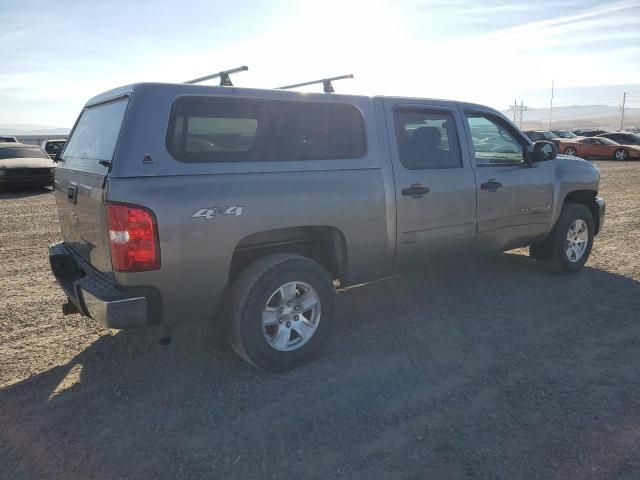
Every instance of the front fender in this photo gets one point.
(570, 176)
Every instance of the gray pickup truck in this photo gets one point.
(248, 207)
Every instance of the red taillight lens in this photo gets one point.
(133, 236)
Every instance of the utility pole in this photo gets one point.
(521, 110)
(624, 99)
(551, 108)
(515, 110)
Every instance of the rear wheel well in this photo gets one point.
(586, 198)
(326, 245)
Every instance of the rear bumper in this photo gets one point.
(93, 294)
(602, 208)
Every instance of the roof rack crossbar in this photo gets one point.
(225, 80)
(326, 82)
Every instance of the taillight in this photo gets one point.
(133, 236)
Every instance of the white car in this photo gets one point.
(25, 165)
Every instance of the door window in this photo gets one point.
(427, 139)
(494, 143)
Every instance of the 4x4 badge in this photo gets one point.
(209, 213)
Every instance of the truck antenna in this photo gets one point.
(326, 82)
(225, 80)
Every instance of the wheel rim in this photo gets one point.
(570, 151)
(620, 155)
(577, 240)
(291, 316)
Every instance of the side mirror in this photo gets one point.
(543, 151)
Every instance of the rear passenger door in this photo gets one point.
(435, 186)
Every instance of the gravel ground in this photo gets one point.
(492, 369)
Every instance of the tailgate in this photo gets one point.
(80, 181)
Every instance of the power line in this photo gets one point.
(551, 107)
(624, 101)
(517, 111)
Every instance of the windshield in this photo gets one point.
(631, 139)
(547, 135)
(22, 152)
(54, 147)
(564, 134)
(95, 136)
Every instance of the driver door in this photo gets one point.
(513, 197)
(589, 148)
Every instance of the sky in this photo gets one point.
(58, 55)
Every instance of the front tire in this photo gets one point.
(570, 151)
(621, 154)
(281, 311)
(568, 247)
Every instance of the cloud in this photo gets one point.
(486, 52)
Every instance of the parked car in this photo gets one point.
(588, 133)
(623, 138)
(53, 147)
(247, 207)
(8, 139)
(599, 147)
(563, 134)
(22, 164)
(538, 135)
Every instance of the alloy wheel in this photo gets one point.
(291, 316)
(620, 155)
(577, 239)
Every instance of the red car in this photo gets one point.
(598, 147)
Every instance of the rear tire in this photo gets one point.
(568, 246)
(272, 325)
(621, 154)
(570, 151)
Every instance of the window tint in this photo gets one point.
(207, 129)
(492, 142)
(22, 152)
(226, 130)
(427, 139)
(95, 136)
(535, 136)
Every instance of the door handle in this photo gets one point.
(492, 185)
(416, 191)
(72, 194)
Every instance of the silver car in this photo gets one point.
(246, 208)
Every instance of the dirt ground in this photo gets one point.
(494, 369)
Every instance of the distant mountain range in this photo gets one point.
(28, 129)
(575, 116)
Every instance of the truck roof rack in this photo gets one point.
(225, 80)
(326, 82)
